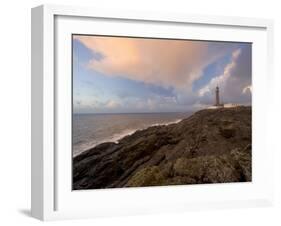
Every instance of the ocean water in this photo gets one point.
(90, 130)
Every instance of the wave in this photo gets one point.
(118, 136)
(125, 133)
(165, 124)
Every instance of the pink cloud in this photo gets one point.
(161, 62)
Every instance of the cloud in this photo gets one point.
(92, 104)
(156, 75)
(247, 89)
(221, 79)
(112, 104)
(241, 77)
(154, 61)
(235, 81)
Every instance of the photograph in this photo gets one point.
(152, 111)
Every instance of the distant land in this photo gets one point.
(210, 146)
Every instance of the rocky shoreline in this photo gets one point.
(211, 146)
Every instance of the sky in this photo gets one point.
(133, 75)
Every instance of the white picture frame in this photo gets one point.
(52, 198)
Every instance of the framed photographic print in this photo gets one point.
(138, 113)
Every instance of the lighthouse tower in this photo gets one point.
(217, 96)
(218, 103)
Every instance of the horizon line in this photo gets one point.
(166, 112)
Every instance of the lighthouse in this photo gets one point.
(217, 96)
(218, 103)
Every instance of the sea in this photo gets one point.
(90, 130)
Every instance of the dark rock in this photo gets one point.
(211, 146)
(227, 131)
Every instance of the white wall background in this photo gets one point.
(15, 111)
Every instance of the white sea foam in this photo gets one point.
(91, 131)
(167, 123)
